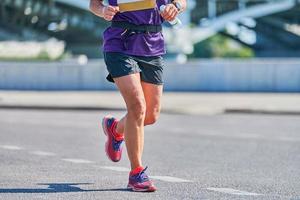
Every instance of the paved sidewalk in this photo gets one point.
(177, 103)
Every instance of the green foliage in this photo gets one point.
(220, 46)
(43, 56)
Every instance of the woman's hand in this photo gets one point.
(109, 12)
(170, 12)
(106, 12)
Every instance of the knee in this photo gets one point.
(151, 118)
(137, 109)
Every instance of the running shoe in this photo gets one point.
(140, 182)
(113, 145)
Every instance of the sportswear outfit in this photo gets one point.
(128, 51)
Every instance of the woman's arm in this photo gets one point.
(107, 12)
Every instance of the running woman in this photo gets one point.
(133, 49)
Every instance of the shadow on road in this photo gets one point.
(58, 188)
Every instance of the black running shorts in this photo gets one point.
(119, 64)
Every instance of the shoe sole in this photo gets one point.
(151, 189)
(104, 120)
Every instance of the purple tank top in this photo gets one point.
(140, 44)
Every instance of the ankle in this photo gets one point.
(136, 170)
(118, 135)
(117, 129)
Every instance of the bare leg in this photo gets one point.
(132, 92)
(152, 95)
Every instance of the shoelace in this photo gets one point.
(117, 145)
(142, 176)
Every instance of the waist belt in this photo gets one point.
(137, 28)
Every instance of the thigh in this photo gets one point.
(131, 88)
(152, 94)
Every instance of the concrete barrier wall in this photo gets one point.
(257, 75)
(53, 76)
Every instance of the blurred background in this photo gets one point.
(235, 45)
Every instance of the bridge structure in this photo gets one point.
(67, 20)
(270, 27)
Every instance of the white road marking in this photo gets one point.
(61, 123)
(249, 136)
(10, 147)
(233, 191)
(42, 153)
(77, 161)
(170, 179)
(118, 169)
(287, 139)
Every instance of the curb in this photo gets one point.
(165, 111)
(259, 111)
(67, 108)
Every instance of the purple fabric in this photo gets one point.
(148, 44)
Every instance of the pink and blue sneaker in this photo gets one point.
(113, 145)
(140, 182)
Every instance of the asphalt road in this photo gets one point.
(60, 155)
